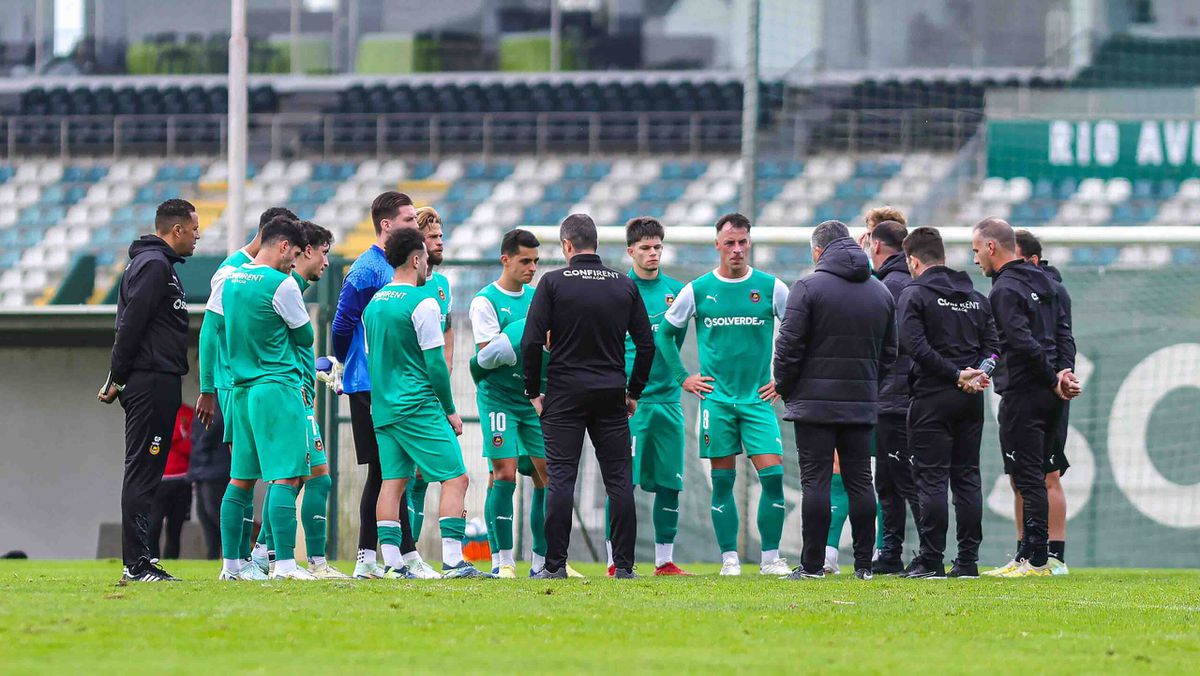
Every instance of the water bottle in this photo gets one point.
(987, 366)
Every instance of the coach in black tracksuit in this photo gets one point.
(587, 310)
(149, 359)
(893, 461)
(1032, 377)
(836, 342)
(946, 325)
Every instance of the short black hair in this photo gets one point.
(171, 212)
(273, 213)
(387, 206)
(925, 244)
(642, 227)
(735, 220)
(401, 244)
(515, 239)
(1028, 244)
(580, 231)
(828, 231)
(890, 234)
(315, 235)
(282, 228)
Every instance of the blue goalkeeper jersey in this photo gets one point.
(369, 273)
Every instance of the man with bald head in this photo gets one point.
(1033, 376)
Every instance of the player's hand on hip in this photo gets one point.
(630, 405)
(206, 407)
(455, 423)
(768, 394)
(698, 384)
(539, 403)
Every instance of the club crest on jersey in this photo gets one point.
(755, 296)
(156, 445)
(319, 445)
(441, 293)
(670, 299)
(497, 440)
(705, 439)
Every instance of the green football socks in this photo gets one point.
(724, 509)
(453, 530)
(233, 509)
(665, 516)
(537, 521)
(313, 510)
(281, 501)
(771, 507)
(416, 505)
(502, 513)
(839, 510)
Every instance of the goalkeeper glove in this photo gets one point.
(329, 371)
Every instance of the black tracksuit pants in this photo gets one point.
(894, 482)
(815, 445)
(944, 432)
(366, 450)
(602, 414)
(173, 504)
(1028, 424)
(151, 401)
(208, 511)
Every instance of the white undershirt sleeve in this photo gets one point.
(216, 288)
(427, 322)
(780, 299)
(485, 325)
(684, 307)
(289, 304)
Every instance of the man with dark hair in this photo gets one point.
(1029, 247)
(735, 308)
(1034, 377)
(216, 382)
(512, 433)
(586, 309)
(946, 325)
(149, 360)
(266, 323)
(893, 462)
(416, 425)
(837, 341)
(656, 429)
(369, 273)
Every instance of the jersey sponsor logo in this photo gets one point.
(389, 295)
(670, 298)
(711, 322)
(242, 277)
(591, 273)
(156, 445)
(497, 440)
(180, 304)
(964, 306)
(755, 296)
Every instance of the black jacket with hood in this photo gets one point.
(152, 313)
(837, 340)
(1066, 339)
(1032, 326)
(893, 392)
(946, 326)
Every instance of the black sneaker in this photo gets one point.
(884, 566)
(146, 570)
(798, 573)
(911, 565)
(968, 571)
(547, 574)
(924, 571)
(863, 574)
(625, 574)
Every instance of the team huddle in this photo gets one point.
(393, 356)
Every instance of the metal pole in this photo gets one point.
(555, 37)
(238, 104)
(352, 27)
(294, 36)
(39, 35)
(750, 114)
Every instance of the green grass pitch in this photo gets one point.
(70, 618)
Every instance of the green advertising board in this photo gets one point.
(1133, 149)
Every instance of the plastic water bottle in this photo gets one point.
(987, 366)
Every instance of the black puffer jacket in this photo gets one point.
(893, 392)
(838, 338)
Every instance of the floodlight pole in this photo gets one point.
(238, 56)
(555, 37)
(294, 37)
(750, 114)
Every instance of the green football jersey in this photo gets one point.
(306, 360)
(222, 377)
(262, 305)
(438, 288)
(507, 383)
(658, 295)
(735, 329)
(399, 324)
(493, 309)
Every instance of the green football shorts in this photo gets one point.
(656, 435)
(510, 430)
(421, 440)
(725, 429)
(269, 433)
(316, 447)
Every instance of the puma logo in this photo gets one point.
(718, 510)
(1011, 456)
(668, 509)
(712, 298)
(506, 310)
(504, 518)
(778, 505)
(319, 518)
(894, 456)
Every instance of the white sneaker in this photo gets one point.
(252, 573)
(777, 567)
(423, 571)
(732, 568)
(227, 576)
(1002, 570)
(297, 573)
(324, 571)
(368, 570)
(831, 561)
(1057, 567)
